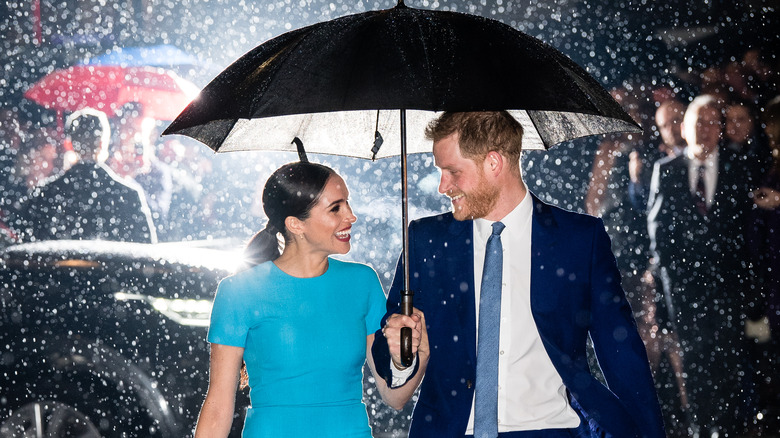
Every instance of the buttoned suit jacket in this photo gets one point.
(575, 294)
(685, 242)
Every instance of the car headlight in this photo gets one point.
(182, 311)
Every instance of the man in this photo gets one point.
(556, 285)
(668, 120)
(618, 194)
(697, 206)
(88, 201)
(743, 139)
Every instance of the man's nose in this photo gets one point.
(444, 184)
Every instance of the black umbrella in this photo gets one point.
(339, 85)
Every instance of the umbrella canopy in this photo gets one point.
(161, 92)
(402, 58)
(338, 86)
(162, 55)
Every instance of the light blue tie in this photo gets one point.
(486, 401)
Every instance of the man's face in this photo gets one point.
(463, 181)
(668, 119)
(706, 133)
(739, 124)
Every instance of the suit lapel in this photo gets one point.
(544, 240)
(460, 268)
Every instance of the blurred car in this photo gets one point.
(106, 339)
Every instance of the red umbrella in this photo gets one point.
(162, 93)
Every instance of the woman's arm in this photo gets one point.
(216, 415)
(396, 398)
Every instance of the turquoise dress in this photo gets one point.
(304, 343)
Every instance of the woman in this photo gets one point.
(302, 322)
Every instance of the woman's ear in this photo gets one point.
(294, 225)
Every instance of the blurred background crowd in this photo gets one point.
(192, 195)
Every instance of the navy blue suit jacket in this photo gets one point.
(575, 293)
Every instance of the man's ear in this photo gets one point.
(494, 163)
(294, 225)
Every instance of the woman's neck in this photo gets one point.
(301, 264)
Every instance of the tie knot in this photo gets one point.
(498, 227)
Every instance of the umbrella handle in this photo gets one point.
(406, 333)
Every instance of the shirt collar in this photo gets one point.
(523, 210)
(709, 162)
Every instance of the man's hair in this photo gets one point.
(668, 104)
(480, 133)
(89, 132)
(691, 116)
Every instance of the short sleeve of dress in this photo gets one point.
(228, 325)
(376, 302)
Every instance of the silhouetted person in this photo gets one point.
(88, 201)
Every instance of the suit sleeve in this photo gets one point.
(380, 350)
(620, 351)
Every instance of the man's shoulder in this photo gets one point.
(547, 213)
(439, 223)
(435, 220)
(109, 178)
(672, 161)
(674, 168)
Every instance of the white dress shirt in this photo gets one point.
(531, 394)
(710, 174)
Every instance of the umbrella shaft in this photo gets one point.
(404, 203)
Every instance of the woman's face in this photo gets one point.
(328, 227)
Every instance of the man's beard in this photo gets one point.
(478, 203)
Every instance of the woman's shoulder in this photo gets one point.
(345, 267)
(249, 275)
